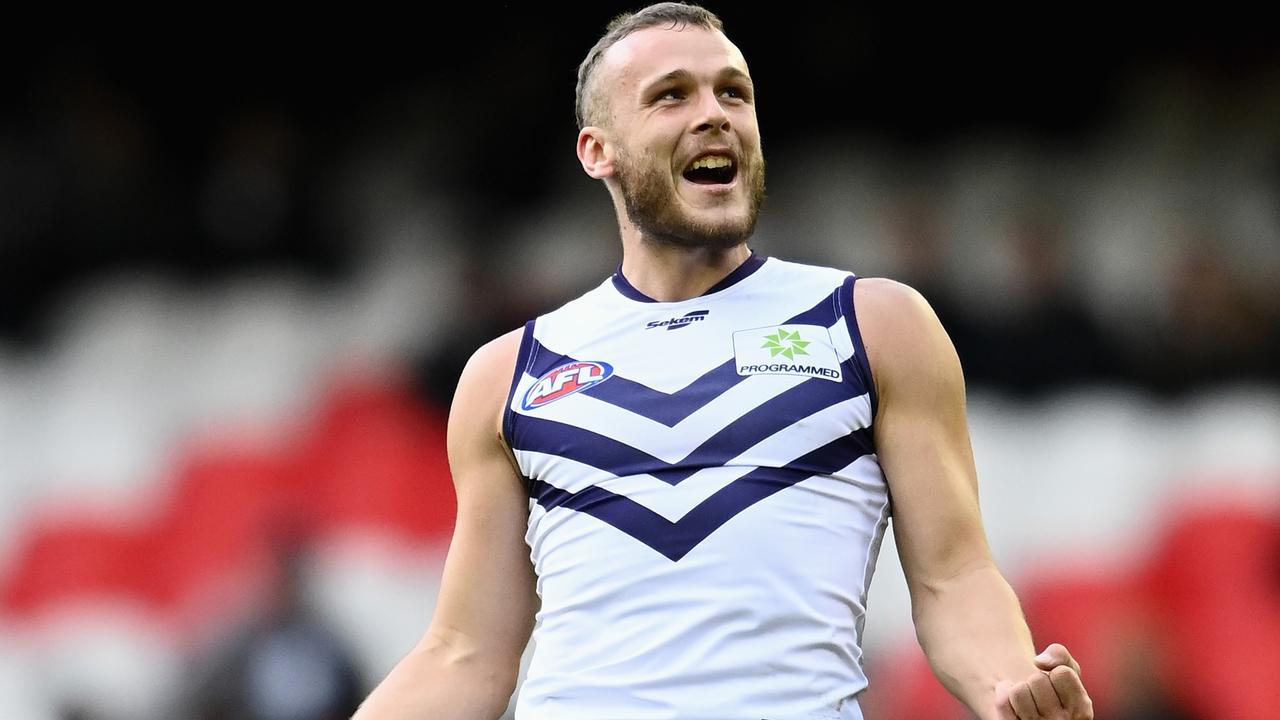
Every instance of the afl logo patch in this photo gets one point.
(565, 381)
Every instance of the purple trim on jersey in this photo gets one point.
(860, 362)
(617, 458)
(676, 539)
(671, 408)
(524, 358)
(748, 266)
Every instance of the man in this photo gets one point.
(698, 455)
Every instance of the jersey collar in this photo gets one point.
(748, 266)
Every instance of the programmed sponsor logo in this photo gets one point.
(789, 369)
(680, 322)
(804, 350)
(564, 381)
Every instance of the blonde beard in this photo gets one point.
(650, 204)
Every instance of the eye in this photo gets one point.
(671, 94)
(735, 92)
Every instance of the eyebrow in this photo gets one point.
(684, 75)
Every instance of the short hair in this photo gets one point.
(676, 15)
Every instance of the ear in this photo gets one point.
(595, 152)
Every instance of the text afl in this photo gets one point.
(566, 380)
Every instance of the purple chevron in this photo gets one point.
(676, 539)
(618, 458)
(671, 408)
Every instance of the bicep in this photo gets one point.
(922, 435)
(487, 596)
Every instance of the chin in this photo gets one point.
(718, 221)
(718, 232)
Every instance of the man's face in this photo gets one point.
(683, 123)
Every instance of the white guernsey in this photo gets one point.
(706, 506)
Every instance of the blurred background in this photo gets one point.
(243, 259)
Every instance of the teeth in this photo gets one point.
(711, 162)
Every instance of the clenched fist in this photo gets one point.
(1053, 693)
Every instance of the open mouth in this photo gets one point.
(712, 170)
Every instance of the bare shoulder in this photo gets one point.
(889, 306)
(481, 395)
(494, 360)
(896, 322)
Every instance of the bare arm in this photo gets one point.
(466, 664)
(967, 618)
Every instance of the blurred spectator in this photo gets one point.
(248, 201)
(80, 188)
(1046, 338)
(1216, 329)
(493, 309)
(1043, 339)
(285, 665)
(1141, 679)
(915, 236)
(76, 711)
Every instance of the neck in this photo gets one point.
(669, 273)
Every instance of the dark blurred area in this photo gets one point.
(240, 148)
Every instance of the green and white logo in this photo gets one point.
(804, 350)
(784, 344)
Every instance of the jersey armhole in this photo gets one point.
(861, 363)
(524, 361)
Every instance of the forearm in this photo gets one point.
(439, 681)
(972, 631)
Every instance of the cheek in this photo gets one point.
(748, 128)
(654, 161)
(656, 139)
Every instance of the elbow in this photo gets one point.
(489, 675)
(928, 592)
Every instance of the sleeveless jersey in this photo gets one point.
(706, 507)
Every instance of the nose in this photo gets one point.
(711, 114)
